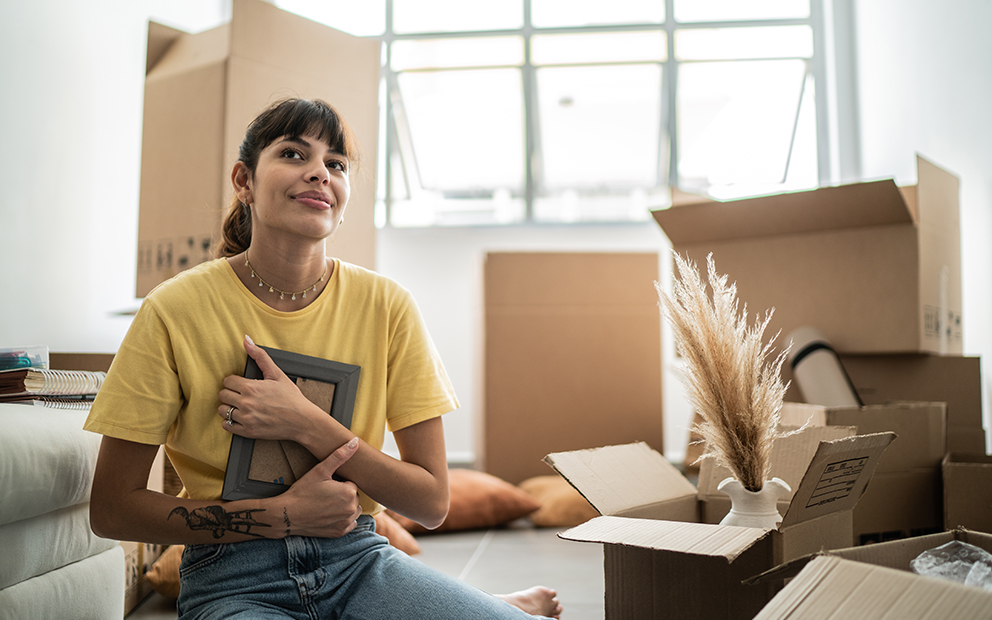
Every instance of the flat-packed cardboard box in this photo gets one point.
(955, 380)
(572, 356)
(875, 267)
(202, 90)
(659, 559)
(905, 496)
(875, 582)
(967, 491)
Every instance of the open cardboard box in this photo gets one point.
(658, 557)
(875, 582)
(875, 267)
(967, 491)
(905, 494)
(202, 90)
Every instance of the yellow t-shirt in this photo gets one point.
(187, 336)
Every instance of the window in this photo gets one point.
(554, 111)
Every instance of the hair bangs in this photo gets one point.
(295, 118)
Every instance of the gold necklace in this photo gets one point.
(281, 292)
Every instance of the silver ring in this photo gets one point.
(229, 421)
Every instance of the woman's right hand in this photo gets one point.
(317, 505)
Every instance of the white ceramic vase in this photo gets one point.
(754, 508)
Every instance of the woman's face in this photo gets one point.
(300, 187)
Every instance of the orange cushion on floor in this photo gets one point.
(164, 573)
(396, 534)
(478, 500)
(561, 504)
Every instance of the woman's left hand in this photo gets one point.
(272, 407)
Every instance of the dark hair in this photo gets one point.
(293, 118)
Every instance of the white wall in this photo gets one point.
(925, 86)
(70, 121)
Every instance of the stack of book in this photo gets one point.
(25, 377)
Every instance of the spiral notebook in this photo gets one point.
(29, 383)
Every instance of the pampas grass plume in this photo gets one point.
(729, 376)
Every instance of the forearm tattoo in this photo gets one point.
(285, 519)
(220, 521)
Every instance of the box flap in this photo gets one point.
(790, 457)
(801, 414)
(920, 427)
(701, 539)
(185, 52)
(836, 477)
(938, 197)
(620, 479)
(857, 205)
(832, 587)
(160, 38)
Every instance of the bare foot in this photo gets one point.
(537, 601)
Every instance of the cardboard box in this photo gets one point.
(573, 356)
(658, 558)
(918, 426)
(899, 505)
(202, 90)
(955, 380)
(967, 491)
(138, 558)
(875, 267)
(875, 583)
(904, 497)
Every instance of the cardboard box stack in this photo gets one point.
(877, 269)
(659, 557)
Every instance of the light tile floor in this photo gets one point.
(499, 560)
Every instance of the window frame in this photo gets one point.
(397, 136)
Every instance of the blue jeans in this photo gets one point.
(356, 577)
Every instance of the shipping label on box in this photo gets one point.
(698, 568)
(874, 267)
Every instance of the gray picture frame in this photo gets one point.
(238, 483)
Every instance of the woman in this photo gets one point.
(310, 552)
